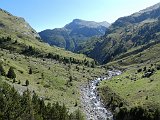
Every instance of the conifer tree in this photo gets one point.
(11, 73)
(27, 82)
(30, 71)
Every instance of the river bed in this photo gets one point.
(91, 102)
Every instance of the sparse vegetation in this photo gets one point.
(52, 80)
(137, 86)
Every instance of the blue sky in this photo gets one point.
(49, 14)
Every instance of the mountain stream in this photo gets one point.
(91, 102)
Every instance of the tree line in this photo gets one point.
(29, 106)
(7, 43)
(137, 113)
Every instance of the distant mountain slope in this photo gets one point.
(10, 24)
(16, 35)
(128, 32)
(150, 13)
(73, 34)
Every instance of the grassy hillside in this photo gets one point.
(15, 26)
(139, 84)
(29, 106)
(50, 79)
(127, 33)
(53, 73)
(17, 35)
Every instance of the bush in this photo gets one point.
(19, 82)
(139, 70)
(11, 74)
(14, 80)
(70, 78)
(76, 104)
(121, 114)
(158, 67)
(27, 82)
(144, 69)
(30, 71)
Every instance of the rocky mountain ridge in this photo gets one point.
(128, 32)
(74, 34)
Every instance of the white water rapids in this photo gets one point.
(91, 103)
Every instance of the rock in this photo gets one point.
(91, 102)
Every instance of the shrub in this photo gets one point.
(14, 80)
(76, 104)
(11, 74)
(30, 71)
(70, 78)
(27, 82)
(139, 70)
(158, 67)
(144, 69)
(19, 82)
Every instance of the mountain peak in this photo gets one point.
(77, 20)
(84, 23)
(74, 34)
